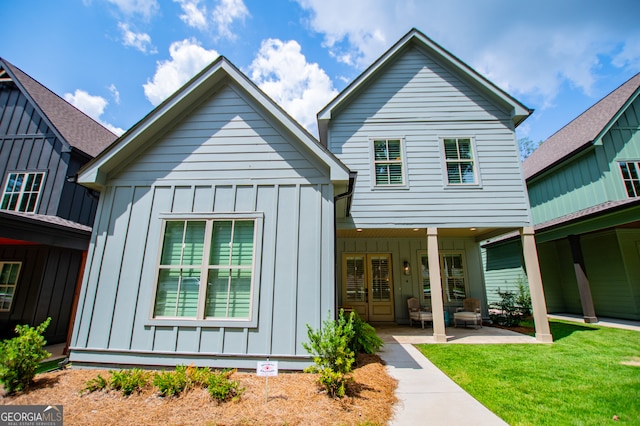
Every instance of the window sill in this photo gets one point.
(207, 323)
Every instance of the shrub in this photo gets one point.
(364, 338)
(221, 387)
(128, 381)
(95, 384)
(332, 355)
(19, 356)
(513, 307)
(171, 383)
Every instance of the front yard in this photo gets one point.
(589, 376)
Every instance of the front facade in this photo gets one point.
(45, 219)
(215, 245)
(433, 147)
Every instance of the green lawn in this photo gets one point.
(580, 379)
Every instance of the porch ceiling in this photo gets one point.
(477, 233)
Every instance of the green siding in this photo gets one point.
(503, 269)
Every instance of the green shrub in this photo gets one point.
(128, 381)
(221, 387)
(19, 357)
(171, 383)
(364, 338)
(332, 355)
(95, 384)
(513, 307)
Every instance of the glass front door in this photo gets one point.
(368, 285)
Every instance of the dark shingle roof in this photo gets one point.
(78, 129)
(581, 131)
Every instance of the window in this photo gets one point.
(22, 191)
(218, 252)
(631, 177)
(452, 273)
(388, 162)
(426, 283)
(9, 272)
(458, 154)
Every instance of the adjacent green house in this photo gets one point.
(584, 191)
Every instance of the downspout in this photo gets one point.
(348, 193)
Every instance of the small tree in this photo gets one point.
(332, 355)
(20, 356)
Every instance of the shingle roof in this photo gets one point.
(78, 129)
(581, 131)
(53, 220)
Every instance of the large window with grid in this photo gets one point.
(207, 269)
(9, 272)
(459, 161)
(22, 191)
(388, 162)
(631, 177)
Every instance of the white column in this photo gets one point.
(543, 333)
(437, 304)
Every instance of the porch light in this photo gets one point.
(407, 268)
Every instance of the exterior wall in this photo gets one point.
(28, 144)
(558, 277)
(503, 269)
(629, 240)
(421, 100)
(224, 157)
(409, 249)
(591, 178)
(45, 288)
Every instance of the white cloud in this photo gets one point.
(93, 106)
(527, 50)
(145, 8)
(301, 88)
(140, 41)
(115, 93)
(194, 14)
(225, 13)
(187, 59)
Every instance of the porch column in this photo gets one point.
(437, 305)
(543, 333)
(588, 310)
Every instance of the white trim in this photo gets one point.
(474, 160)
(21, 193)
(403, 164)
(8, 285)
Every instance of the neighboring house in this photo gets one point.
(584, 190)
(45, 218)
(224, 228)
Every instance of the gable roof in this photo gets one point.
(95, 173)
(519, 112)
(72, 126)
(583, 131)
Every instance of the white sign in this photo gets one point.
(267, 368)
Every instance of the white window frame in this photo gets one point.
(636, 165)
(200, 319)
(474, 160)
(402, 161)
(446, 297)
(21, 193)
(5, 287)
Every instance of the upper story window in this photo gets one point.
(207, 269)
(22, 191)
(388, 162)
(631, 177)
(9, 272)
(459, 161)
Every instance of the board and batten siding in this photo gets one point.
(224, 157)
(410, 249)
(421, 100)
(591, 178)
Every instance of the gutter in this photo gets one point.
(348, 194)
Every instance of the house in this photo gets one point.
(584, 190)
(224, 228)
(45, 219)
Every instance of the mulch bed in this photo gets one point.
(294, 399)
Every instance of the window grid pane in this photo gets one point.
(631, 178)
(9, 272)
(22, 191)
(459, 160)
(229, 275)
(388, 162)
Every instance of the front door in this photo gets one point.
(368, 285)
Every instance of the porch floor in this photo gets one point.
(416, 335)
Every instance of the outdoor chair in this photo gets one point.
(470, 312)
(416, 314)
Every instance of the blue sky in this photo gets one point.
(117, 59)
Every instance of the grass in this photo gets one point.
(584, 378)
(51, 365)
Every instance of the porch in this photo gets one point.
(417, 335)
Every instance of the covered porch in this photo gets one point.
(460, 335)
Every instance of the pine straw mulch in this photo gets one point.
(294, 399)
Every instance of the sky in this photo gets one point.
(118, 59)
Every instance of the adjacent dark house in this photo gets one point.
(45, 218)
